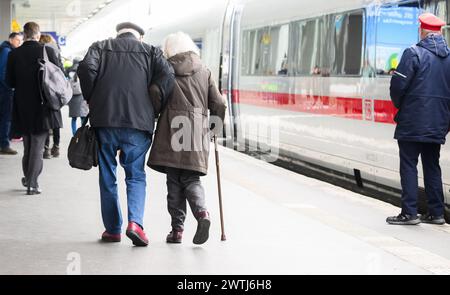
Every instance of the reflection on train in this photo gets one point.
(322, 69)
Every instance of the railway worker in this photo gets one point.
(115, 77)
(194, 94)
(420, 90)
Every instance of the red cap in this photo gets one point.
(429, 21)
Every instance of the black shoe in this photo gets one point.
(34, 191)
(403, 219)
(55, 151)
(47, 154)
(428, 218)
(202, 233)
(8, 151)
(24, 182)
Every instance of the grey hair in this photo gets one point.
(179, 43)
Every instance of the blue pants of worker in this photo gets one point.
(6, 101)
(133, 145)
(409, 156)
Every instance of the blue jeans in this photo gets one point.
(409, 157)
(133, 145)
(6, 101)
(74, 124)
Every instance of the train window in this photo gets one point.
(262, 51)
(246, 53)
(279, 50)
(265, 51)
(308, 52)
(396, 30)
(347, 43)
(437, 7)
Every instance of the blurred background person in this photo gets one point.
(56, 133)
(78, 107)
(15, 40)
(30, 118)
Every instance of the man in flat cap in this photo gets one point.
(116, 76)
(420, 90)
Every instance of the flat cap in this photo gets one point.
(128, 25)
(429, 21)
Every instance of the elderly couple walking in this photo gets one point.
(128, 84)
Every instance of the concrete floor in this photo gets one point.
(277, 222)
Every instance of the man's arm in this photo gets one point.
(10, 78)
(4, 53)
(163, 80)
(403, 76)
(88, 71)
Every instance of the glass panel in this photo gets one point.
(347, 42)
(264, 40)
(279, 50)
(328, 51)
(397, 29)
(246, 55)
(437, 7)
(309, 50)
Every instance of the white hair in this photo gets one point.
(179, 43)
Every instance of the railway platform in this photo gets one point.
(277, 222)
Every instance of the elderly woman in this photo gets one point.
(182, 152)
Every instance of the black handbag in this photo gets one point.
(83, 148)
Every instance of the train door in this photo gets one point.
(228, 69)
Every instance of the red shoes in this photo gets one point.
(110, 238)
(134, 232)
(137, 235)
(174, 237)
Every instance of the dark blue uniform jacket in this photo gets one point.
(5, 49)
(420, 89)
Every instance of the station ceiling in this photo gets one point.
(60, 16)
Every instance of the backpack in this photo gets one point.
(55, 89)
(83, 148)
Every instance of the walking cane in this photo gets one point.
(219, 187)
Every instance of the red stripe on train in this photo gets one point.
(351, 108)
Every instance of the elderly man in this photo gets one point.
(116, 75)
(420, 89)
(6, 93)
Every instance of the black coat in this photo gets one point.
(420, 89)
(30, 116)
(116, 75)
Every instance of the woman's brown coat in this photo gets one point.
(182, 136)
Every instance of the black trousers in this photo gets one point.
(56, 138)
(409, 157)
(32, 161)
(182, 186)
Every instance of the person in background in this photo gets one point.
(15, 40)
(30, 117)
(194, 94)
(48, 40)
(420, 90)
(78, 107)
(123, 115)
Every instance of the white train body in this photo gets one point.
(331, 102)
